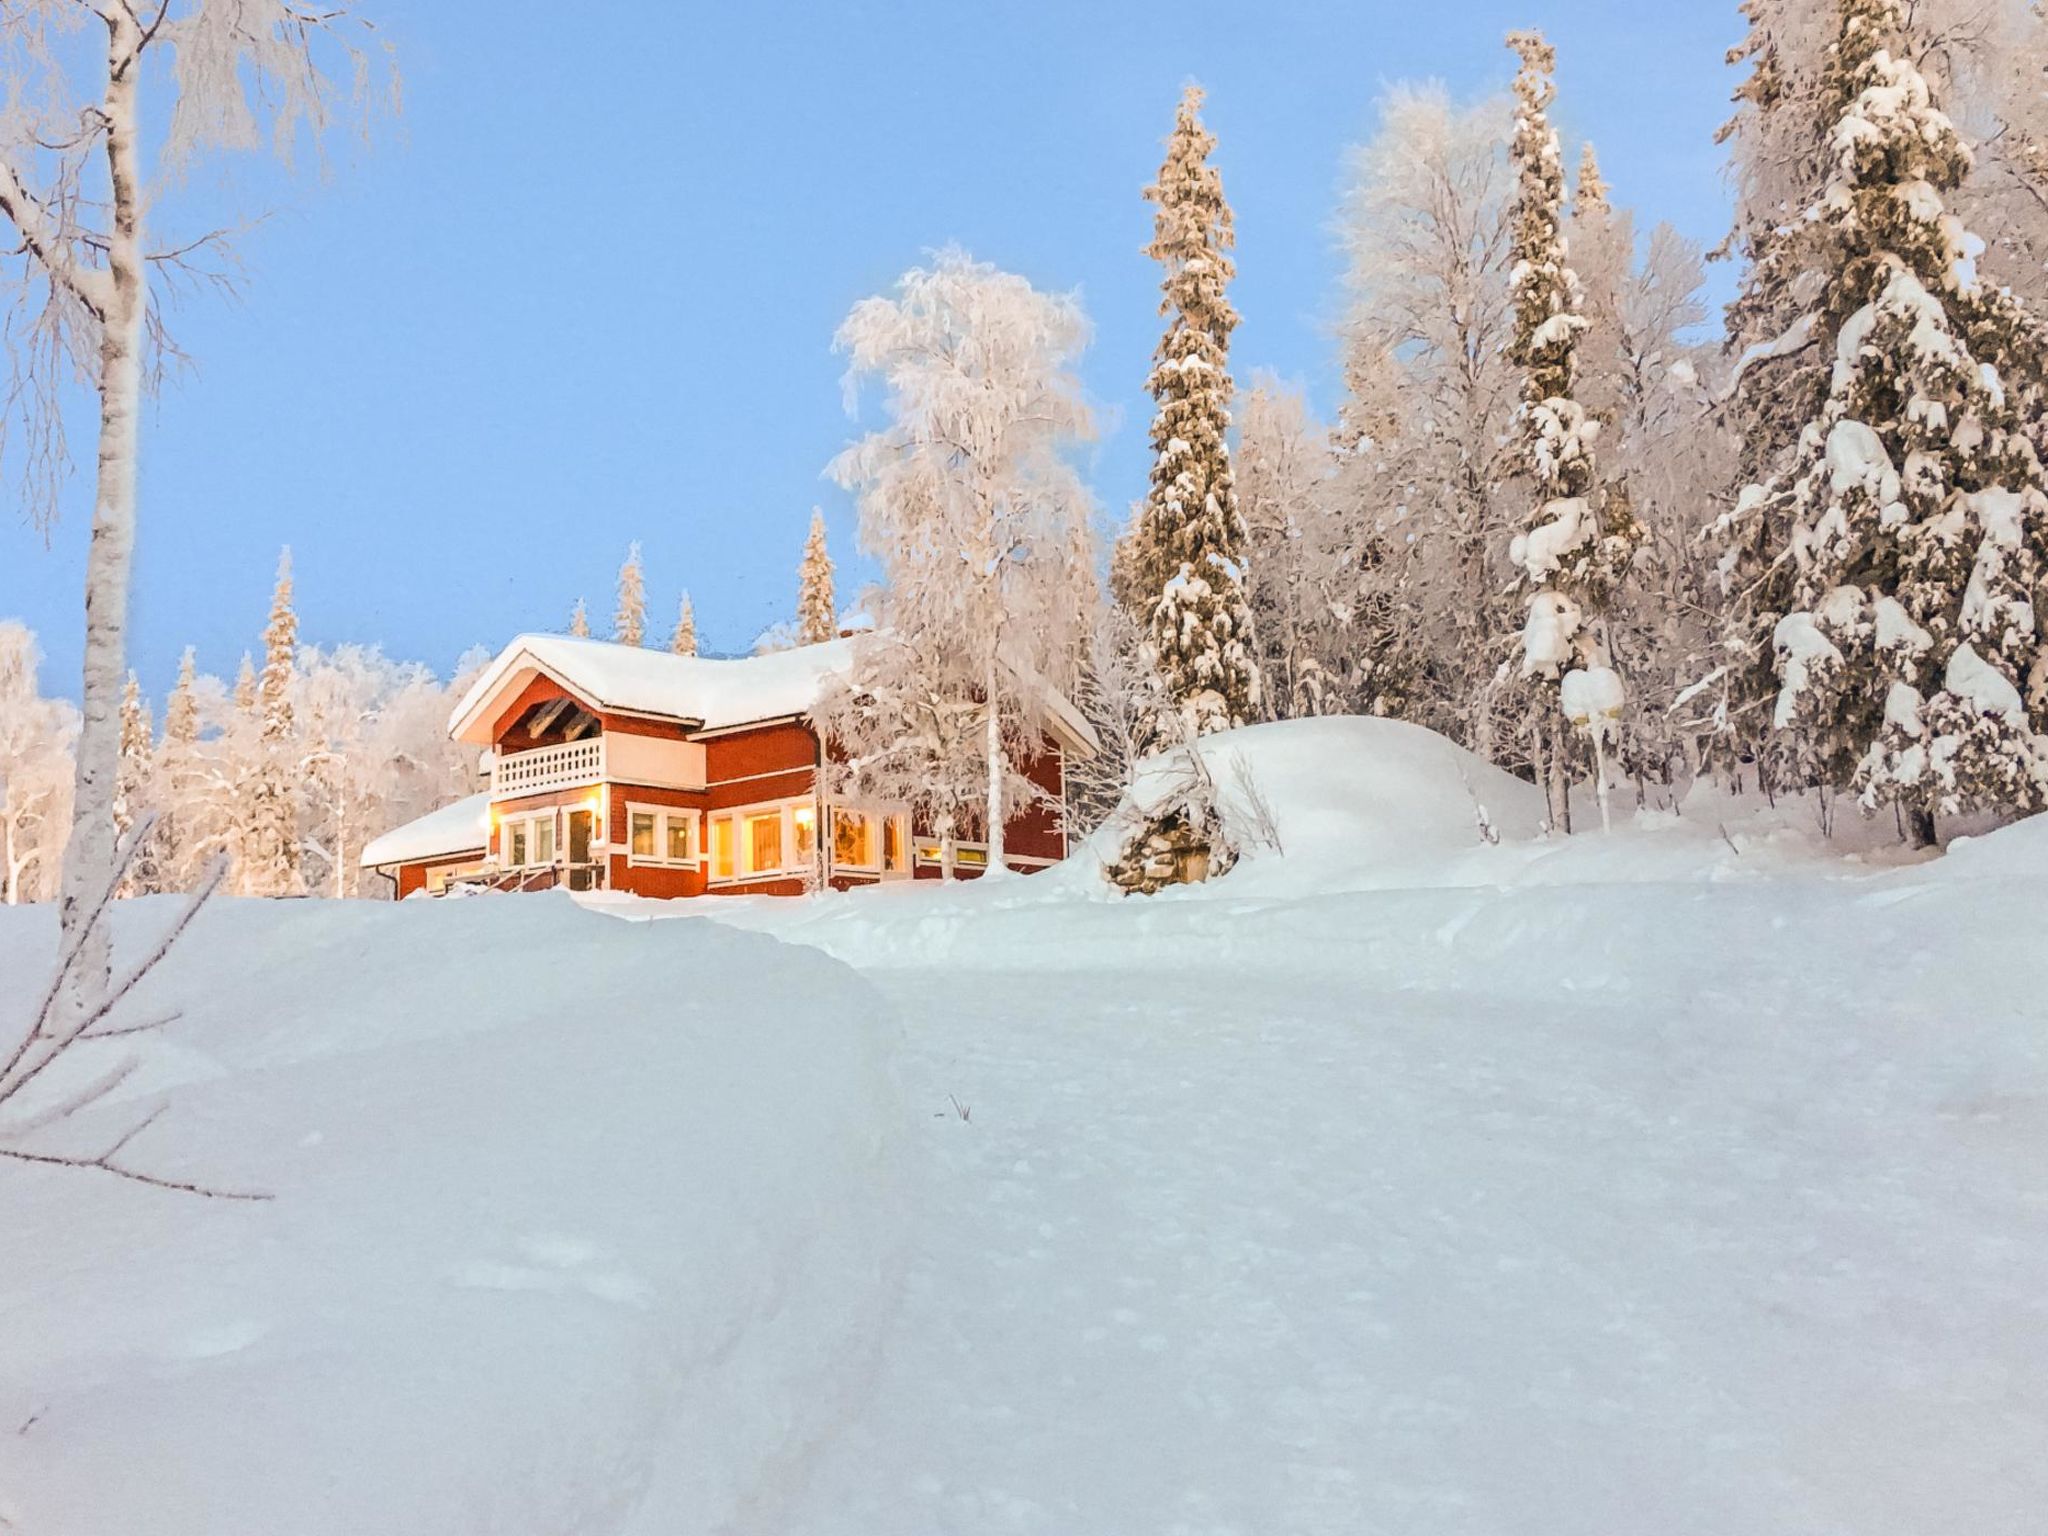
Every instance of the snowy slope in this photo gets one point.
(573, 1231)
(1682, 1181)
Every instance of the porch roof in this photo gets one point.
(463, 827)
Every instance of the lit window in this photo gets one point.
(641, 844)
(764, 842)
(516, 854)
(677, 826)
(806, 819)
(852, 839)
(721, 848)
(892, 843)
(544, 839)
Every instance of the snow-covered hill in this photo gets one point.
(576, 1228)
(1680, 1180)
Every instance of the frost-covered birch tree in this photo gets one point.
(970, 505)
(1189, 553)
(1304, 558)
(817, 610)
(1424, 222)
(82, 179)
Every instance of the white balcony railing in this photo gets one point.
(568, 766)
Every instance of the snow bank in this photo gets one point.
(576, 1229)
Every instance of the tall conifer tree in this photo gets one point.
(270, 857)
(1187, 564)
(817, 613)
(629, 623)
(1910, 660)
(1575, 542)
(683, 640)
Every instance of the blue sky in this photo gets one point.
(583, 291)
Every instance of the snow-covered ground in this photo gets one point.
(1683, 1180)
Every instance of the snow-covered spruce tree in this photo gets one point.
(1190, 552)
(817, 611)
(629, 622)
(1431, 391)
(682, 641)
(245, 685)
(1910, 662)
(177, 768)
(135, 788)
(969, 505)
(78, 173)
(579, 620)
(1777, 141)
(269, 862)
(1576, 542)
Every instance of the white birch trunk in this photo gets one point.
(89, 860)
(994, 747)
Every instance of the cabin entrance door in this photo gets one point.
(582, 873)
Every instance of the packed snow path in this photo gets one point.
(1222, 1249)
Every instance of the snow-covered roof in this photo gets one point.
(463, 827)
(706, 693)
(709, 692)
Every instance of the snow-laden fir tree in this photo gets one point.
(579, 620)
(1910, 662)
(135, 787)
(1777, 140)
(629, 621)
(1576, 541)
(269, 861)
(682, 640)
(177, 766)
(817, 612)
(969, 504)
(245, 685)
(1190, 551)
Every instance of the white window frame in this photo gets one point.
(879, 817)
(793, 866)
(528, 824)
(664, 816)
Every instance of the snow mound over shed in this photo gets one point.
(1338, 803)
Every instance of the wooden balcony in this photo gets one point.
(569, 765)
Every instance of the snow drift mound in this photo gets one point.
(578, 1225)
(1339, 803)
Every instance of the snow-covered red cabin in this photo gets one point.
(617, 768)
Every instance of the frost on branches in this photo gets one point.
(1187, 566)
(817, 611)
(979, 522)
(1576, 542)
(1910, 663)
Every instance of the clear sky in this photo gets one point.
(584, 291)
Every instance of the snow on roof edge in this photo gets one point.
(463, 827)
